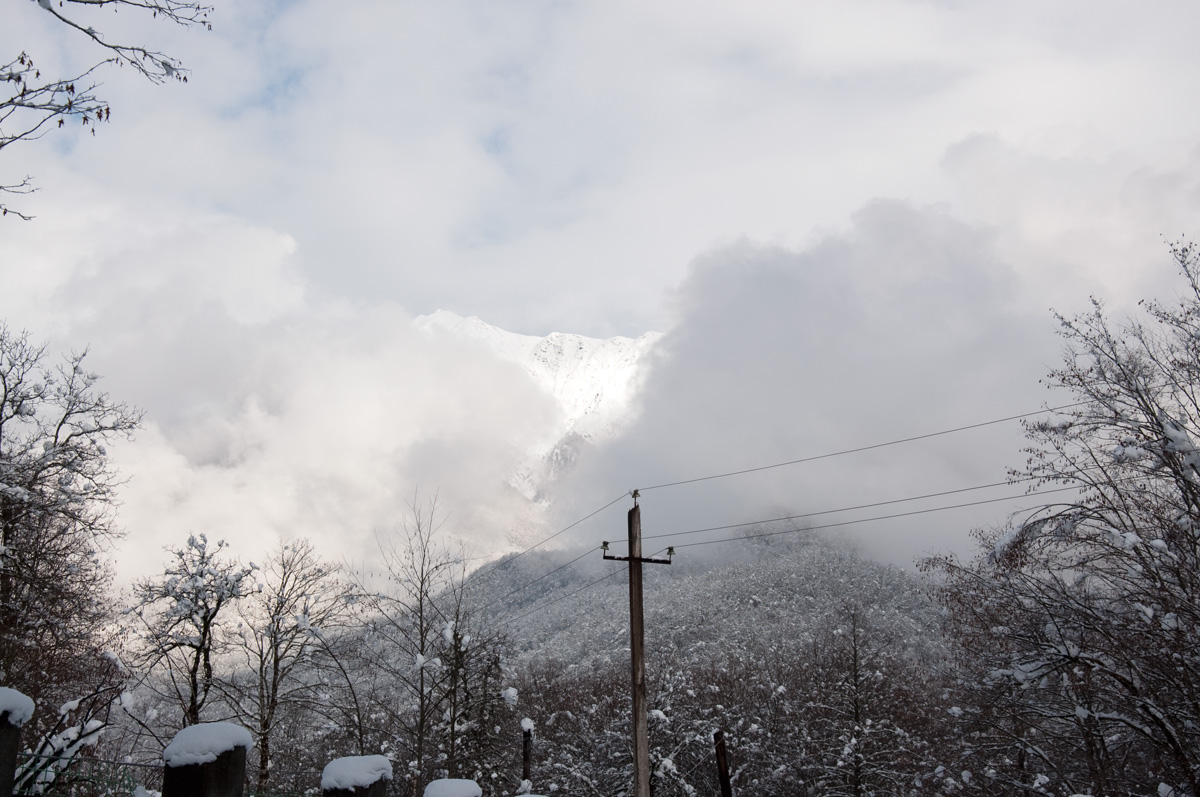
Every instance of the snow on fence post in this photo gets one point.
(356, 776)
(15, 711)
(526, 748)
(207, 760)
(453, 787)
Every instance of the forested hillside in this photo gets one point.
(824, 669)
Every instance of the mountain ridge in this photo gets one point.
(593, 381)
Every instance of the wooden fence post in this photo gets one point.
(10, 743)
(15, 711)
(722, 764)
(526, 748)
(207, 760)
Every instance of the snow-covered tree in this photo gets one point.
(53, 763)
(182, 615)
(868, 716)
(35, 102)
(1083, 618)
(57, 492)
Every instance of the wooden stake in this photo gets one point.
(722, 764)
(527, 755)
(10, 745)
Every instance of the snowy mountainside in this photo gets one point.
(593, 381)
(754, 594)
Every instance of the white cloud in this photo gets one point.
(243, 253)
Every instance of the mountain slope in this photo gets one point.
(593, 381)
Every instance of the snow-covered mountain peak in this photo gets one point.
(593, 381)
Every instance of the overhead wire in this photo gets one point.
(549, 603)
(841, 509)
(561, 531)
(760, 522)
(547, 575)
(878, 517)
(859, 449)
(872, 505)
(744, 538)
(761, 468)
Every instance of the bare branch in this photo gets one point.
(34, 103)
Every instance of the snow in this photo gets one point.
(355, 771)
(200, 744)
(1180, 442)
(510, 696)
(18, 707)
(452, 787)
(593, 381)
(527, 725)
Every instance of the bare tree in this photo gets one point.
(35, 102)
(286, 626)
(437, 681)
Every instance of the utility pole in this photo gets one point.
(637, 648)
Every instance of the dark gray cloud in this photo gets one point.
(907, 323)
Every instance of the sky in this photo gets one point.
(850, 219)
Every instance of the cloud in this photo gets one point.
(272, 408)
(905, 324)
(1073, 224)
(535, 165)
(244, 253)
(338, 423)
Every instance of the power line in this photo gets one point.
(860, 448)
(560, 598)
(588, 585)
(564, 530)
(547, 575)
(791, 517)
(759, 522)
(870, 519)
(843, 509)
(593, 583)
(482, 572)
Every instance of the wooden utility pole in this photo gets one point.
(637, 649)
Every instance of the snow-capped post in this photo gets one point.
(356, 776)
(453, 787)
(722, 764)
(15, 711)
(637, 648)
(207, 760)
(526, 748)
